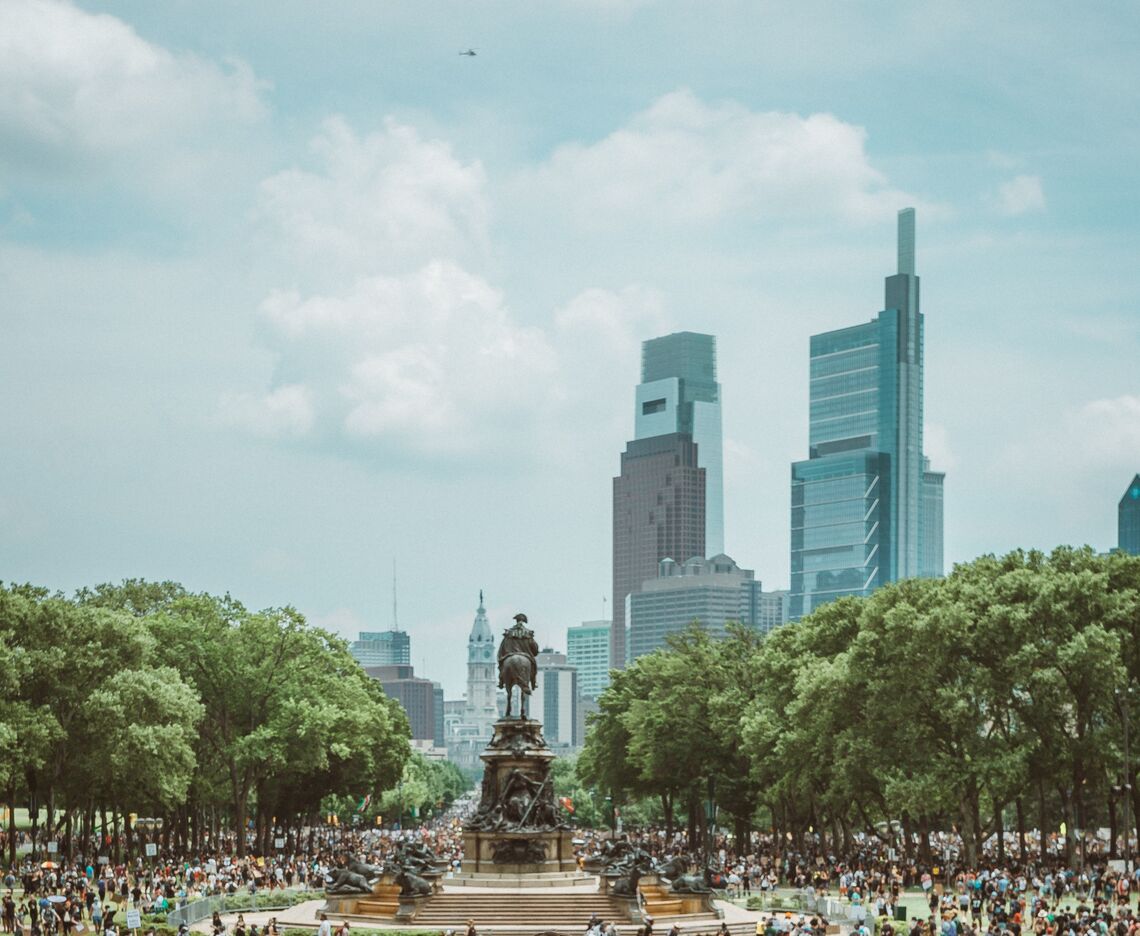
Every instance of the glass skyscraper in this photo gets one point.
(669, 499)
(382, 648)
(679, 393)
(1128, 519)
(588, 651)
(866, 509)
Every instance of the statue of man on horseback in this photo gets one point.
(518, 665)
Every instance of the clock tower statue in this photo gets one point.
(482, 710)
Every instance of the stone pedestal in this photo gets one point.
(518, 827)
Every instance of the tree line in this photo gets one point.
(146, 699)
(994, 699)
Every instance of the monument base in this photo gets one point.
(510, 853)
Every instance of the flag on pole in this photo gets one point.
(567, 803)
(364, 801)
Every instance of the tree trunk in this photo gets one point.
(115, 837)
(240, 818)
(1113, 831)
(128, 835)
(1070, 825)
(1135, 814)
(967, 807)
(1041, 821)
(667, 809)
(34, 809)
(924, 842)
(1022, 850)
(742, 830)
(999, 831)
(12, 826)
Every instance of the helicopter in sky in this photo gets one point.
(470, 52)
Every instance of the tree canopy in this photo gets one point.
(930, 704)
(144, 698)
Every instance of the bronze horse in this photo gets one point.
(515, 670)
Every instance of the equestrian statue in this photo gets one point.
(518, 664)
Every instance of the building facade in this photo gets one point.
(866, 508)
(382, 648)
(554, 701)
(658, 513)
(711, 592)
(679, 393)
(417, 696)
(1128, 519)
(773, 610)
(588, 651)
(930, 561)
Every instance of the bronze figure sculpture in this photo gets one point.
(518, 663)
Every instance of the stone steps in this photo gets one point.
(546, 879)
(539, 910)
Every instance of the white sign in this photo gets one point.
(53, 847)
(104, 859)
(151, 849)
(279, 843)
(134, 919)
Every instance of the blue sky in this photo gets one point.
(287, 290)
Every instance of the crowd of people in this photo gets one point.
(1003, 896)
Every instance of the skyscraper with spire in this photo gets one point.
(866, 508)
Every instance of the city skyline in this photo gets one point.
(267, 327)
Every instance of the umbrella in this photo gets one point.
(49, 864)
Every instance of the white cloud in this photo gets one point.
(426, 361)
(81, 88)
(936, 442)
(1020, 195)
(688, 162)
(433, 364)
(387, 199)
(1107, 432)
(393, 339)
(284, 411)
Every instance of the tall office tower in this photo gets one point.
(679, 393)
(858, 500)
(554, 701)
(588, 651)
(930, 523)
(1128, 519)
(415, 694)
(659, 512)
(382, 648)
(482, 676)
(711, 592)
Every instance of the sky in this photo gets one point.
(290, 292)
